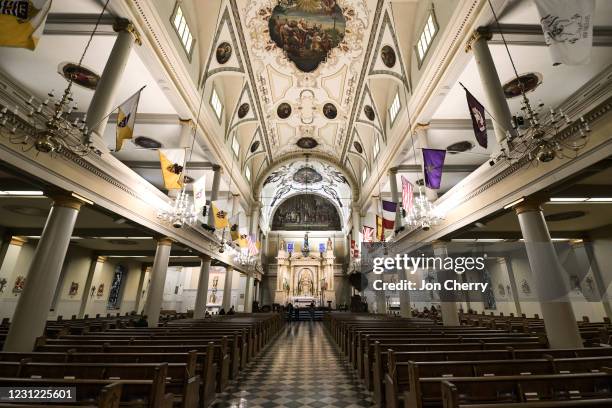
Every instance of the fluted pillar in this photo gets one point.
(43, 275)
(448, 303)
(227, 288)
(395, 197)
(559, 320)
(214, 193)
(423, 139)
(496, 100)
(158, 280)
(104, 98)
(248, 294)
(199, 311)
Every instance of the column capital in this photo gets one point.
(229, 268)
(576, 243)
(164, 241)
(438, 243)
(393, 171)
(216, 167)
(18, 241)
(101, 259)
(61, 200)
(125, 25)
(480, 33)
(530, 204)
(422, 127)
(187, 122)
(205, 258)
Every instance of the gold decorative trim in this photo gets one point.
(165, 241)
(101, 259)
(205, 258)
(530, 204)
(477, 35)
(125, 25)
(67, 202)
(18, 241)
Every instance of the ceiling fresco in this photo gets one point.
(305, 177)
(306, 57)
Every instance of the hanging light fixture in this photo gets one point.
(538, 136)
(183, 210)
(423, 213)
(48, 125)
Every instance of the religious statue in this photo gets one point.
(306, 246)
(282, 245)
(329, 244)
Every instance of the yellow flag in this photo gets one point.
(22, 22)
(126, 117)
(380, 231)
(221, 217)
(242, 241)
(172, 161)
(234, 232)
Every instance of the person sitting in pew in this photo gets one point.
(231, 311)
(142, 322)
(222, 312)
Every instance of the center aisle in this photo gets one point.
(301, 368)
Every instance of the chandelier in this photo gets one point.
(540, 137)
(48, 125)
(423, 213)
(183, 210)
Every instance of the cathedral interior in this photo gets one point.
(306, 203)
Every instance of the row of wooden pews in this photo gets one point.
(181, 363)
(420, 364)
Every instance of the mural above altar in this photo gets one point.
(305, 275)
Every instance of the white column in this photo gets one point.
(199, 311)
(248, 294)
(356, 229)
(33, 306)
(141, 281)
(103, 100)
(423, 139)
(395, 197)
(404, 296)
(255, 219)
(496, 100)
(559, 320)
(381, 302)
(9, 260)
(227, 288)
(95, 267)
(448, 304)
(506, 265)
(186, 135)
(158, 281)
(214, 193)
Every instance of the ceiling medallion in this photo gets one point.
(358, 147)
(255, 146)
(307, 175)
(307, 143)
(460, 147)
(307, 30)
(223, 53)
(330, 111)
(243, 110)
(530, 82)
(369, 112)
(147, 142)
(387, 54)
(79, 75)
(284, 110)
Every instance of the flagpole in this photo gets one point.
(485, 109)
(113, 111)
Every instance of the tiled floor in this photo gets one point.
(302, 368)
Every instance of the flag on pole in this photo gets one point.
(22, 22)
(221, 217)
(368, 234)
(407, 194)
(199, 194)
(389, 210)
(479, 121)
(234, 232)
(172, 161)
(126, 117)
(380, 231)
(568, 29)
(433, 163)
(242, 241)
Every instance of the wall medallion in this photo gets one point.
(530, 81)
(243, 110)
(284, 110)
(330, 111)
(460, 147)
(307, 175)
(387, 54)
(358, 147)
(307, 30)
(147, 142)
(79, 75)
(369, 112)
(223, 53)
(255, 146)
(307, 143)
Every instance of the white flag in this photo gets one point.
(568, 29)
(199, 194)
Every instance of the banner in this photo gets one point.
(126, 117)
(368, 234)
(172, 161)
(479, 121)
(389, 210)
(568, 29)
(221, 217)
(199, 194)
(22, 22)
(433, 164)
(234, 232)
(380, 231)
(407, 195)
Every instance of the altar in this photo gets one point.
(306, 276)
